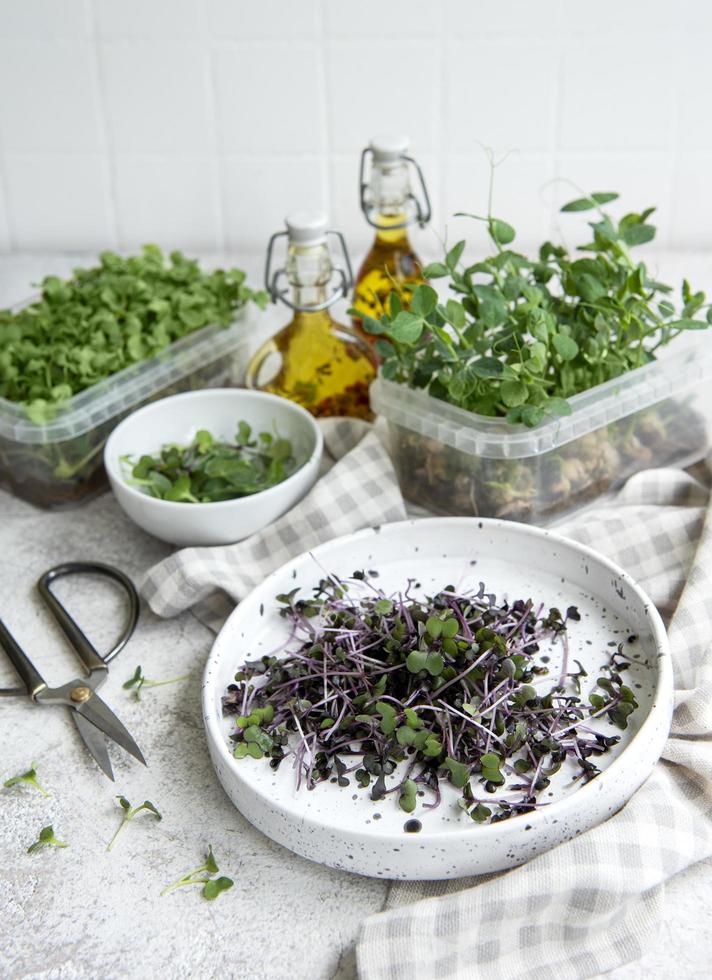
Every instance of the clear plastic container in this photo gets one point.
(59, 464)
(452, 461)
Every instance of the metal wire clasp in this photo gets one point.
(422, 211)
(342, 274)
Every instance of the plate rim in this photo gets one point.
(662, 695)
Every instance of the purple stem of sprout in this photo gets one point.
(341, 632)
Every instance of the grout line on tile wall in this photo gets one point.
(557, 121)
(108, 154)
(219, 190)
(5, 200)
(675, 158)
(439, 222)
(325, 109)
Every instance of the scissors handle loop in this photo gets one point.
(84, 648)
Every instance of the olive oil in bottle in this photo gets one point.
(389, 206)
(324, 366)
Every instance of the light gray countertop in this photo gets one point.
(83, 912)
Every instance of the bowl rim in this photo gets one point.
(113, 466)
(640, 744)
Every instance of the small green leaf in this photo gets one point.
(434, 626)
(214, 887)
(513, 393)
(500, 232)
(454, 255)
(566, 347)
(436, 270)
(408, 795)
(28, 778)
(459, 773)
(383, 607)
(423, 302)
(406, 328)
(46, 838)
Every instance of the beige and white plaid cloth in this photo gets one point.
(588, 905)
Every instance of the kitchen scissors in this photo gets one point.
(92, 716)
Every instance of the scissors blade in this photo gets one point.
(95, 742)
(101, 715)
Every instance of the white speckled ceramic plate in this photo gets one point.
(343, 827)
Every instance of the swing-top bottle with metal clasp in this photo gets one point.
(390, 206)
(314, 361)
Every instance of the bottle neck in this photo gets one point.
(309, 272)
(386, 235)
(389, 194)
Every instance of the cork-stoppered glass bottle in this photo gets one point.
(313, 360)
(390, 206)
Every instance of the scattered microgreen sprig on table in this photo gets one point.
(128, 814)
(138, 681)
(28, 778)
(46, 838)
(107, 317)
(203, 875)
(210, 470)
(446, 688)
(525, 334)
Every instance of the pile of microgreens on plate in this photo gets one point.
(426, 690)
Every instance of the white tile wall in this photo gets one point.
(57, 200)
(177, 194)
(200, 123)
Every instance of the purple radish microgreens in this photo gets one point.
(46, 839)
(138, 681)
(128, 813)
(28, 778)
(204, 875)
(446, 688)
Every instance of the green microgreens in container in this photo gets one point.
(138, 681)
(108, 317)
(46, 838)
(28, 778)
(402, 694)
(210, 470)
(128, 814)
(522, 335)
(203, 875)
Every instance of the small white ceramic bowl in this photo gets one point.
(177, 419)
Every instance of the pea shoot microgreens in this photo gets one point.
(128, 813)
(525, 334)
(105, 318)
(209, 470)
(28, 778)
(447, 688)
(205, 876)
(138, 681)
(46, 839)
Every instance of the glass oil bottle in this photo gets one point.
(324, 366)
(389, 206)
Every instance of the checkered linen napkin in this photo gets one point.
(358, 491)
(588, 905)
(591, 904)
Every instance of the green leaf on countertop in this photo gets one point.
(46, 838)
(28, 778)
(128, 815)
(138, 681)
(203, 875)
